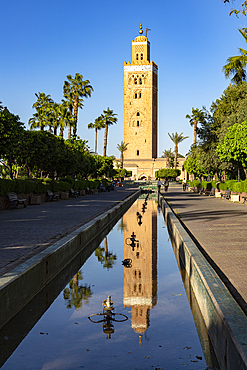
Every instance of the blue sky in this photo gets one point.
(44, 41)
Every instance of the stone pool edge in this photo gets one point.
(22, 283)
(224, 319)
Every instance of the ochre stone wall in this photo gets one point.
(146, 168)
(140, 102)
(140, 113)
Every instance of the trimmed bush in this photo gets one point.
(168, 172)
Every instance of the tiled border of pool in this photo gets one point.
(20, 285)
(224, 319)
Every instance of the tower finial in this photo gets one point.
(141, 31)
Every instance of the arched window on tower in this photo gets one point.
(135, 81)
(140, 95)
(137, 56)
(137, 153)
(141, 56)
(140, 81)
(138, 114)
(135, 95)
(138, 123)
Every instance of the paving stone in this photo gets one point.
(27, 231)
(219, 226)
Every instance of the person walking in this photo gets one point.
(159, 183)
(184, 184)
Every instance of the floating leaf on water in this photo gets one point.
(187, 347)
(199, 357)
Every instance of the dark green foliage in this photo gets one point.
(10, 130)
(121, 172)
(26, 186)
(167, 172)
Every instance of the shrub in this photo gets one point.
(168, 172)
(69, 180)
(196, 183)
(80, 184)
(207, 185)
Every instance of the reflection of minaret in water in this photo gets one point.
(140, 281)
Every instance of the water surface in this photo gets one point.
(160, 332)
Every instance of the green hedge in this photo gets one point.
(167, 172)
(23, 186)
(39, 186)
(233, 185)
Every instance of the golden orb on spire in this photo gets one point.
(140, 31)
(141, 37)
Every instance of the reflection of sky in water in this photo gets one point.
(73, 342)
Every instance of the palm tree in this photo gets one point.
(97, 125)
(168, 154)
(108, 119)
(196, 116)
(42, 106)
(75, 90)
(65, 118)
(177, 138)
(235, 65)
(67, 93)
(122, 147)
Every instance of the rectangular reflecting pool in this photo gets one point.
(128, 307)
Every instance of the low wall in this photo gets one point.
(225, 321)
(18, 286)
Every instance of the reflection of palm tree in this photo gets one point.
(122, 226)
(107, 259)
(75, 293)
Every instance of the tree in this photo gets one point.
(229, 109)
(75, 90)
(97, 125)
(242, 10)
(169, 155)
(234, 147)
(122, 147)
(176, 139)
(43, 104)
(109, 118)
(235, 65)
(64, 117)
(10, 131)
(196, 116)
(167, 172)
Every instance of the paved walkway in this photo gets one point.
(27, 231)
(219, 227)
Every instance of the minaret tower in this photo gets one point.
(140, 102)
